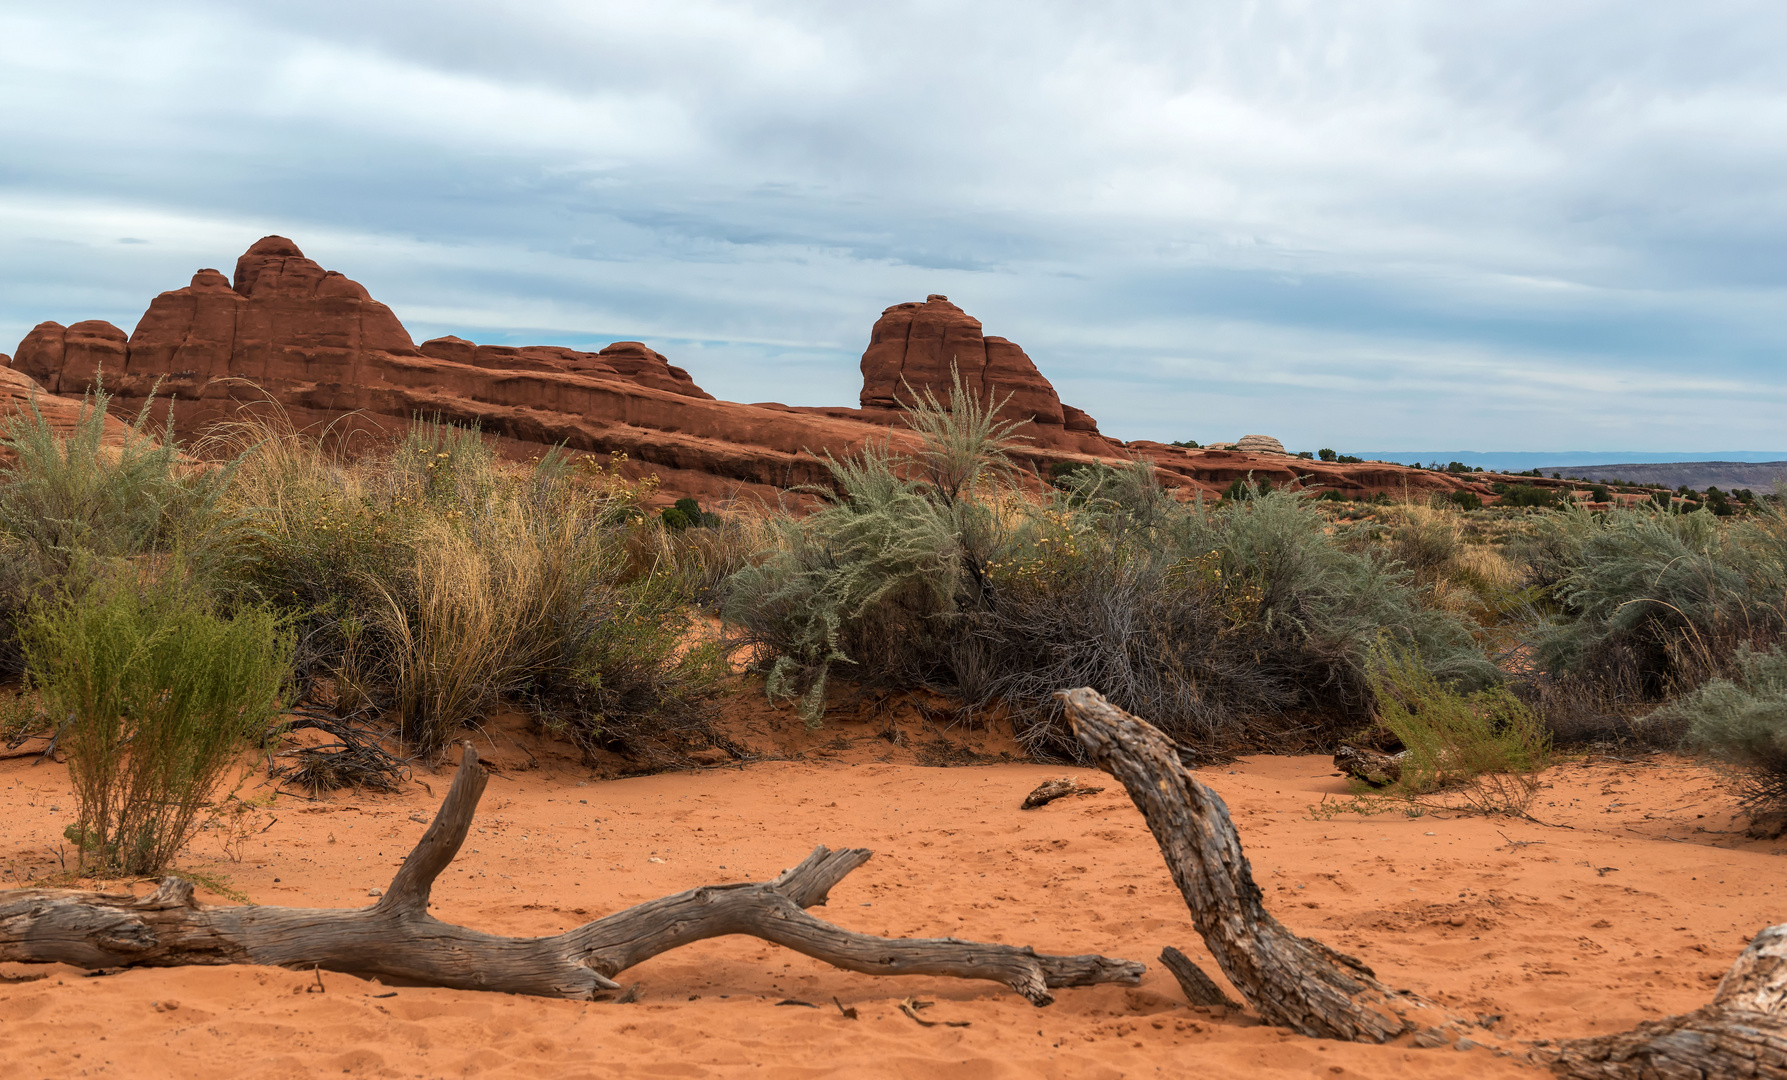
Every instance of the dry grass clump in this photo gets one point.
(437, 582)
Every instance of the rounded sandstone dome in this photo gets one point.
(1259, 444)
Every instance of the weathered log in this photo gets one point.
(1375, 768)
(396, 938)
(1290, 981)
(1743, 1033)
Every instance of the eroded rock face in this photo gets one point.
(913, 347)
(73, 356)
(316, 343)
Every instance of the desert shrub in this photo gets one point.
(1486, 746)
(1659, 601)
(70, 506)
(1527, 495)
(21, 716)
(1426, 543)
(1216, 625)
(1742, 720)
(1467, 500)
(873, 574)
(674, 518)
(157, 695)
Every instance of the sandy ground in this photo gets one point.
(1630, 904)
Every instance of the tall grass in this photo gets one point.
(156, 696)
(437, 582)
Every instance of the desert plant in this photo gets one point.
(1742, 721)
(1487, 745)
(1668, 598)
(71, 505)
(156, 696)
(1527, 495)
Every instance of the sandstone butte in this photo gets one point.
(316, 342)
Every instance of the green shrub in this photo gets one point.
(1466, 500)
(1486, 745)
(1742, 721)
(1527, 495)
(1349, 459)
(158, 696)
(1325, 454)
(674, 518)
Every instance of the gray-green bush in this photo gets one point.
(1742, 720)
(1657, 601)
(1217, 624)
(72, 507)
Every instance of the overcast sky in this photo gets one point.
(1395, 225)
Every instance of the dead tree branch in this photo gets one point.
(1742, 1033)
(396, 938)
(1291, 981)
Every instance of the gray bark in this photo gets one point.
(1743, 1033)
(396, 938)
(1290, 981)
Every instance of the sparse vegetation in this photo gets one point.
(1742, 720)
(1220, 624)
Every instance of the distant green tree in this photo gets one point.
(1325, 454)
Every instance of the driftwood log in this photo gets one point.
(396, 939)
(1290, 981)
(1742, 1033)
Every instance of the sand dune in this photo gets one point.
(1630, 904)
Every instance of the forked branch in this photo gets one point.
(397, 939)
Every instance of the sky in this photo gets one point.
(1402, 225)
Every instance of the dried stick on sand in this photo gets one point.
(1291, 981)
(398, 940)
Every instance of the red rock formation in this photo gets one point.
(57, 356)
(317, 343)
(913, 347)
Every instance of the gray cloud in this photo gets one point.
(1495, 225)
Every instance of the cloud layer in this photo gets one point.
(1494, 225)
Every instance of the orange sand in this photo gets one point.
(1632, 912)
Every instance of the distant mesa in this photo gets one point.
(316, 342)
